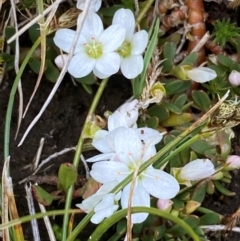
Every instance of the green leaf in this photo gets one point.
(177, 120)
(34, 32)
(199, 192)
(159, 111)
(190, 59)
(51, 71)
(88, 88)
(139, 83)
(67, 176)
(201, 99)
(88, 80)
(176, 86)
(178, 204)
(168, 138)
(210, 219)
(109, 11)
(180, 100)
(177, 231)
(9, 32)
(210, 187)
(34, 65)
(41, 195)
(173, 108)
(153, 122)
(169, 51)
(200, 147)
(224, 61)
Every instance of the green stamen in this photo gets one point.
(94, 49)
(125, 50)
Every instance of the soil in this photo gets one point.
(60, 125)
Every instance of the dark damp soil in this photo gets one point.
(60, 125)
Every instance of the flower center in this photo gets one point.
(125, 49)
(94, 49)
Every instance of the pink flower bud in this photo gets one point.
(233, 161)
(234, 78)
(164, 204)
(60, 60)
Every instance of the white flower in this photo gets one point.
(95, 47)
(93, 7)
(89, 203)
(133, 46)
(234, 78)
(106, 142)
(131, 152)
(126, 115)
(106, 207)
(197, 170)
(201, 74)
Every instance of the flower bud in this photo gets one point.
(234, 78)
(191, 206)
(201, 74)
(233, 162)
(197, 170)
(164, 204)
(60, 60)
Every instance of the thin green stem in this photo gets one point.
(78, 152)
(107, 223)
(144, 10)
(176, 151)
(36, 216)
(12, 95)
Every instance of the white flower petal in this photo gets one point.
(60, 60)
(148, 153)
(94, 5)
(89, 203)
(100, 143)
(81, 65)
(101, 157)
(197, 170)
(64, 38)
(132, 66)
(100, 215)
(160, 184)
(128, 144)
(129, 112)
(92, 27)
(108, 64)
(140, 198)
(126, 18)
(107, 171)
(149, 136)
(116, 120)
(107, 201)
(139, 42)
(107, 187)
(112, 38)
(99, 74)
(201, 74)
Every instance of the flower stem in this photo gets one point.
(79, 151)
(144, 10)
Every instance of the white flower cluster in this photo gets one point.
(103, 51)
(124, 148)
